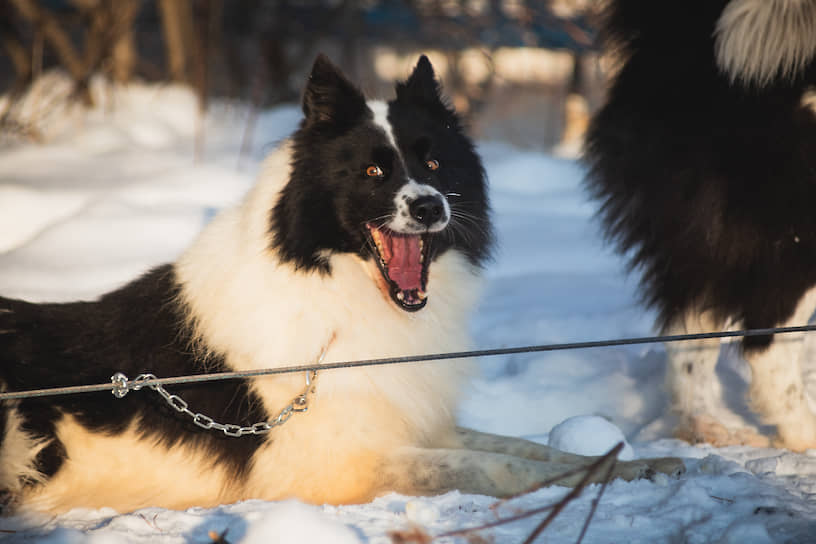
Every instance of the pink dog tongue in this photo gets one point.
(405, 265)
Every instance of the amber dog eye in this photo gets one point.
(432, 164)
(374, 171)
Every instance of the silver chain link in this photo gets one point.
(122, 385)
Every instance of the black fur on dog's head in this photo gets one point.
(396, 183)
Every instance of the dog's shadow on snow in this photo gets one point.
(734, 376)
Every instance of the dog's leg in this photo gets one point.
(421, 471)
(518, 447)
(695, 390)
(777, 386)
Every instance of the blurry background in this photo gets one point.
(523, 71)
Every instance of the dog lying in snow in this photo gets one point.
(362, 238)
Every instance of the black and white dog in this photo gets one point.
(363, 238)
(704, 158)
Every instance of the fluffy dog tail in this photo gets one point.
(762, 41)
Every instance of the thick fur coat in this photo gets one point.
(363, 238)
(704, 160)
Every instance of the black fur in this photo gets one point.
(329, 200)
(136, 329)
(707, 185)
(426, 127)
(324, 207)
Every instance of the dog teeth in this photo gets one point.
(375, 234)
(400, 295)
(422, 295)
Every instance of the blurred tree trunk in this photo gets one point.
(108, 43)
(46, 23)
(96, 31)
(19, 57)
(13, 44)
(207, 40)
(109, 36)
(177, 23)
(123, 53)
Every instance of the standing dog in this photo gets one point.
(704, 158)
(363, 238)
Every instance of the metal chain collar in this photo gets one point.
(122, 385)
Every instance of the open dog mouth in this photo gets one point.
(403, 262)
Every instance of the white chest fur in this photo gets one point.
(260, 313)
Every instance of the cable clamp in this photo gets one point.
(120, 385)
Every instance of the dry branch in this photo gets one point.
(596, 501)
(413, 535)
(609, 458)
(218, 538)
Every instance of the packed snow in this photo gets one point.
(589, 435)
(126, 186)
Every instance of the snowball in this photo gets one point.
(589, 435)
(292, 521)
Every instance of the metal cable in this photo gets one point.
(215, 376)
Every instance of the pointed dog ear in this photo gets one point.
(331, 98)
(422, 87)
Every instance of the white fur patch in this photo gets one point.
(261, 313)
(759, 40)
(18, 454)
(380, 110)
(690, 376)
(777, 386)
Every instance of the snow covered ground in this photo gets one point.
(117, 190)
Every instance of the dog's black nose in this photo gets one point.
(428, 209)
